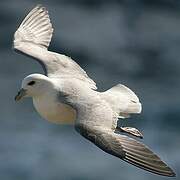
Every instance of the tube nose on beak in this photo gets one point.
(20, 94)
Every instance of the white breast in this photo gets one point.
(54, 111)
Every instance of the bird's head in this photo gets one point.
(33, 85)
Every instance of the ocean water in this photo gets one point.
(136, 43)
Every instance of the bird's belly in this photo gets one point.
(55, 112)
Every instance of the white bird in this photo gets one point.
(65, 94)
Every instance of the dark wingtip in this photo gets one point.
(173, 174)
(170, 173)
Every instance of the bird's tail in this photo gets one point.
(122, 100)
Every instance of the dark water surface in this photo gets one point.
(136, 43)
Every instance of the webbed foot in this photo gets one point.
(130, 130)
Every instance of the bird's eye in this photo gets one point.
(31, 83)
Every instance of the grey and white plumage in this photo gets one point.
(66, 94)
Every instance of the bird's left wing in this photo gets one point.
(33, 37)
(125, 148)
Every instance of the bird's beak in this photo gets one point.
(20, 94)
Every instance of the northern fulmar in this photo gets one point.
(66, 94)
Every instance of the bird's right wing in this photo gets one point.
(33, 37)
(125, 148)
(35, 28)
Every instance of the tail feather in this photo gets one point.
(134, 107)
(120, 88)
(122, 100)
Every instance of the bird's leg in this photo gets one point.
(130, 130)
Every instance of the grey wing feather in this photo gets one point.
(125, 148)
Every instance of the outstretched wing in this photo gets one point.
(35, 28)
(126, 149)
(33, 38)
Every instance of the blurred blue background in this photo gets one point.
(136, 43)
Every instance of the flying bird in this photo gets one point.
(66, 94)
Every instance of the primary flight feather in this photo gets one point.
(65, 94)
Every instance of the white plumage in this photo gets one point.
(33, 37)
(35, 28)
(65, 94)
(122, 100)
